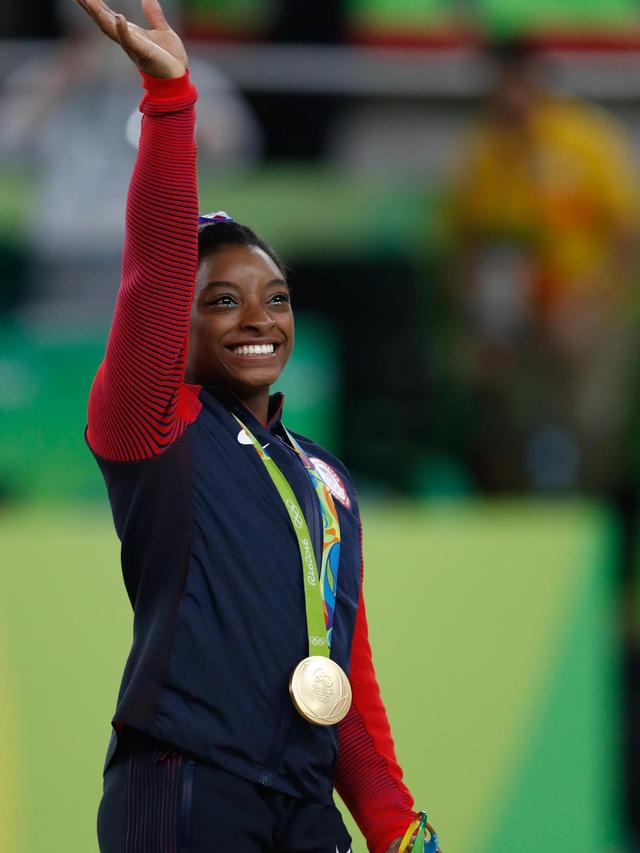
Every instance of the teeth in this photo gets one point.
(253, 349)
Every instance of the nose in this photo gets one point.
(256, 317)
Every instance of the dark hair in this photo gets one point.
(215, 235)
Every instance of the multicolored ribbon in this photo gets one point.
(330, 537)
(319, 598)
(421, 844)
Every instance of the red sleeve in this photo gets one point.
(367, 775)
(138, 405)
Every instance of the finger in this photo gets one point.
(153, 13)
(135, 41)
(129, 35)
(98, 7)
(103, 6)
(103, 17)
(122, 29)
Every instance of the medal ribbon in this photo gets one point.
(330, 537)
(319, 609)
(421, 844)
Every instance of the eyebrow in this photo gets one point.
(276, 281)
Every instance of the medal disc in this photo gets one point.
(320, 691)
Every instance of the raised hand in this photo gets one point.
(157, 51)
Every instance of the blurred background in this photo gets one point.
(453, 185)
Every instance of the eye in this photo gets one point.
(224, 300)
(280, 298)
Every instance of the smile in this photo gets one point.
(254, 349)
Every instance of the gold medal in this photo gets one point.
(320, 691)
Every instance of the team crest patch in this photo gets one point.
(332, 480)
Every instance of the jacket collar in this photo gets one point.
(237, 407)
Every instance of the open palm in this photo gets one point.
(157, 51)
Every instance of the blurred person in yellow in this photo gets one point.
(544, 209)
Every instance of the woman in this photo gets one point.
(240, 542)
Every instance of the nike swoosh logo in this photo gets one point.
(243, 438)
(346, 851)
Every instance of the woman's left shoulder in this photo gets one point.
(332, 471)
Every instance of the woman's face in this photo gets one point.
(241, 330)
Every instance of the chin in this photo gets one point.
(252, 380)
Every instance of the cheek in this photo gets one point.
(207, 328)
(195, 332)
(291, 334)
(288, 327)
(202, 339)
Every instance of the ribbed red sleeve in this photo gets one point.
(138, 404)
(367, 775)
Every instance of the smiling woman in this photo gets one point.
(241, 330)
(241, 541)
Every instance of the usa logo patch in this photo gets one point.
(332, 480)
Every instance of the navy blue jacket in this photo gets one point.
(212, 568)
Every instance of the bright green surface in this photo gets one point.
(491, 629)
(556, 776)
(501, 589)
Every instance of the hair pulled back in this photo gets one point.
(215, 235)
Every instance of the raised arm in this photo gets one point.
(135, 406)
(367, 775)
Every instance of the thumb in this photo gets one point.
(130, 41)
